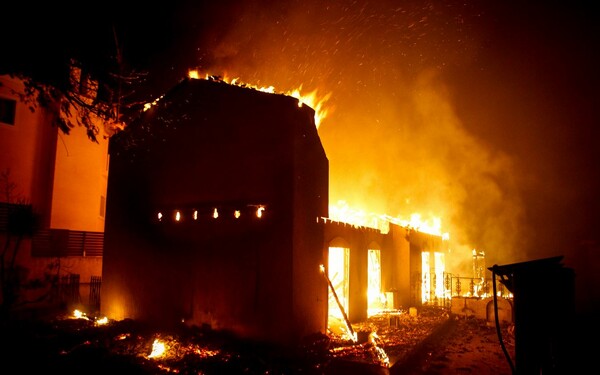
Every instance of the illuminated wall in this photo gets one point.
(28, 146)
(62, 176)
(79, 190)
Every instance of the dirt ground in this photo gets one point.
(463, 346)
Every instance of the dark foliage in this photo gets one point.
(71, 63)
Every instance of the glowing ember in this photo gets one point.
(78, 314)
(147, 106)
(158, 349)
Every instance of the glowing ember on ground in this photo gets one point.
(78, 314)
(158, 349)
(130, 347)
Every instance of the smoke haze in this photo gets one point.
(483, 114)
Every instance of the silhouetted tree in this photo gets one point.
(71, 61)
(21, 223)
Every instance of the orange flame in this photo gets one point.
(344, 213)
(311, 99)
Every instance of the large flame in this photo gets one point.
(313, 99)
(341, 211)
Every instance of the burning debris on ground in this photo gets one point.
(400, 332)
(69, 344)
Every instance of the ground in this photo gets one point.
(463, 346)
(429, 341)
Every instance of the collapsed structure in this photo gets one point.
(217, 216)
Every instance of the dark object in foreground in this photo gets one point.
(544, 304)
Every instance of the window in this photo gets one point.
(7, 111)
(102, 206)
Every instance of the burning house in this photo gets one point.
(217, 216)
(214, 197)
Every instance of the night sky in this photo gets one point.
(482, 113)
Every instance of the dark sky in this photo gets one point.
(482, 113)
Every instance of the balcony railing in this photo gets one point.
(63, 243)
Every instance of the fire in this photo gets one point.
(432, 227)
(433, 267)
(158, 349)
(376, 298)
(433, 264)
(311, 99)
(78, 314)
(344, 213)
(147, 106)
(337, 321)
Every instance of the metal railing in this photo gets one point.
(56, 242)
(455, 286)
(64, 242)
(70, 291)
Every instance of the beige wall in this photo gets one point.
(63, 176)
(80, 181)
(24, 148)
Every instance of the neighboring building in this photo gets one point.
(63, 178)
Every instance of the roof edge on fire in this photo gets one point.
(141, 129)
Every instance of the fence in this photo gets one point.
(71, 292)
(475, 287)
(94, 297)
(440, 293)
(68, 290)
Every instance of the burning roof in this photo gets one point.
(207, 152)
